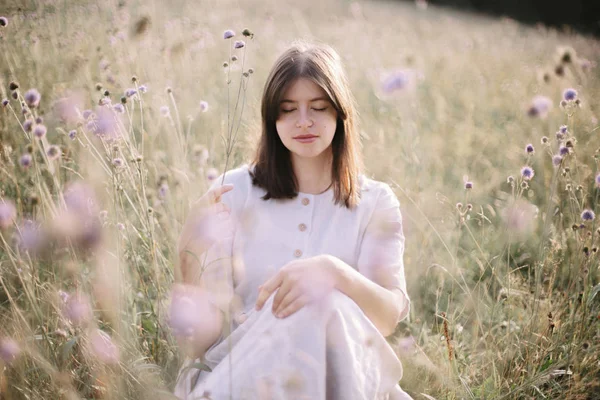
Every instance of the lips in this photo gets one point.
(305, 137)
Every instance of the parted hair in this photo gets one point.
(272, 164)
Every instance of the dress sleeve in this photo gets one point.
(382, 247)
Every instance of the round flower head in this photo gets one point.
(228, 34)
(28, 125)
(239, 44)
(4, 102)
(598, 180)
(103, 347)
(119, 108)
(25, 160)
(117, 162)
(53, 152)
(212, 174)
(39, 131)
(529, 149)
(396, 81)
(563, 129)
(556, 160)
(130, 92)
(588, 215)
(32, 98)
(143, 89)
(527, 172)
(544, 140)
(559, 136)
(8, 213)
(164, 111)
(9, 350)
(540, 106)
(3, 21)
(203, 106)
(563, 150)
(468, 185)
(77, 309)
(570, 94)
(87, 114)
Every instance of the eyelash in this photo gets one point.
(316, 109)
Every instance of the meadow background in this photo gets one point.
(502, 269)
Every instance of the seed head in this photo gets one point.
(529, 149)
(588, 215)
(13, 85)
(527, 172)
(250, 71)
(134, 79)
(246, 32)
(32, 98)
(510, 179)
(234, 58)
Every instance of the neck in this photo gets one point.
(313, 174)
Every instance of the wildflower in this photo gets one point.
(529, 149)
(118, 162)
(556, 160)
(570, 94)
(163, 190)
(598, 180)
(563, 150)
(563, 129)
(5, 102)
(212, 174)
(540, 106)
(468, 185)
(239, 44)
(25, 160)
(3, 21)
(53, 152)
(164, 111)
(119, 108)
(246, 32)
(77, 309)
(9, 350)
(8, 213)
(559, 136)
(527, 172)
(13, 86)
(544, 140)
(29, 237)
(228, 34)
(407, 344)
(130, 92)
(72, 134)
(203, 106)
(104, 124)
(395, 81)
(189, 310)
(143, 89)
(103, 347)
(32, 98)
(120, 226)
(519, 217)
(588, 215)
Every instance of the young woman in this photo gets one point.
(315, 248)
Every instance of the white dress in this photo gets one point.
(327, 350)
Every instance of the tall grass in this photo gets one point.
(503, 276)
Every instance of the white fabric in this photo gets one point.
(329, 350)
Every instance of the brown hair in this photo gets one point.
(272, 162)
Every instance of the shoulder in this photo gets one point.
(377, 193)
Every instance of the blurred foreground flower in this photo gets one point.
(32, 98)
(540, 106)
(519, 217)
(77, 309)
(8, 213)
(9, 350)
(103, 348)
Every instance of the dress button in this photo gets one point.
(302, 227)
(297, 253)
(305, 201)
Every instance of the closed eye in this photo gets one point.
(293, 109)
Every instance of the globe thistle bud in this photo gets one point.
(567, 170)
(578, 102)
(568, 187)
(570, 94)
(234, 58)
(245, 74)
(524, 185)
(169, 90)
(3, 21)
(559, 70)
(134, 79)
(5, 102)
(238, 44)
(510, 179)
(14, 95)
(250, 71)
(124, 100)
(569, 143)
(468, 185)
(138, 158)
(53, 152)
(544, 140)
(246, 32)
(106, 93)
(32, 98)
(29, 148)
(469, 207)
(575, 227)
(39, 120)
(529, 149)
(459, 206)
(150, 210)
(588, 215)
(225, 64)
(13, 86)
(72, 134)
(563, 103)
(228, 34)
(98, 86)
(203, 106)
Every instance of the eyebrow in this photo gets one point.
(311, 100)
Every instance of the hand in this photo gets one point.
(205, 225)
(299, 282)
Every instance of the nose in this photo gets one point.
(304, 121)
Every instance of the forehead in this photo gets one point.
(303, 89)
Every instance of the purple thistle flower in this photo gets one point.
(143, 89)
(3, 21)
(29, 236)
(164, 111)
(588, 215)
(27, 125)
(203, 106)
(117, 162)
(529, 149)
(119, 108)
(468, 185)
(527, 172)
(5, 102)
(570, 94)
(163, 190)
(598, 180)
(395, 81)
(563, 129)
(212, 174)
(39, 131)
(72, 134)
(544, 140)
(77, 309)
(540, 106)
(53, 152)
(32, 98)
(130, 92)
(8, 213)
(87, 114)
(239, 44)
(556, 160)
(103, 347)
(9, 350)
(25, 160)
(39, 120)
(559, 136)
(563, 150)
(120, 226)
(228, 34)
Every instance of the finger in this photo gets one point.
(284, 289)
(267, 289)
(217, 192)
(293, 307)
(288, 299)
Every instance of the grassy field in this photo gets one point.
(503, 275)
